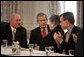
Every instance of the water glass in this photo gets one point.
(47, 50)
(36, 47)
(15, 48)
(71, 52)
(5, 43)
(51, 49)
(31, 46)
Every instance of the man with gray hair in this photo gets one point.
(14, 25)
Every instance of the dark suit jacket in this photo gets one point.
(21, 35)
(50, 41)
(36, 37)
(71, 44)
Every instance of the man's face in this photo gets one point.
(42, 21)
(63, 23)
(16, 21)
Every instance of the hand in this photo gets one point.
(60, 35)
(74, 38)
(57, 36)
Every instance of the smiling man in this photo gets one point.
(13, 31)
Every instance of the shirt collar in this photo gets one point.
(69, 31)
(13, 29)
(45, 29)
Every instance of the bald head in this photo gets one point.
(15, 20)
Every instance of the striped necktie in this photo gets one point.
(13, 34)
(67, 37)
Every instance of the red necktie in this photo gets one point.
(43, 33)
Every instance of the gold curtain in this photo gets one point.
(80, 14)
(8, 8)
(54, 7)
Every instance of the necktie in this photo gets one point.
(43, 33)
(67, 37)
(13, 34)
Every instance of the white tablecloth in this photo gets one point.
(25, 52)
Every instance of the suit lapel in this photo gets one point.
(39, 33)
(48, 28)
(70, 36)
(9, 34)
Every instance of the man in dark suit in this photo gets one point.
(20, 32)
(38, 35)
(55, 27)
(71, 39)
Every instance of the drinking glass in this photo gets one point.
(31, 46)
(36, 47)
(51, 49)
(71, 52)
(47, 50)
(5, 43)
(15, 48)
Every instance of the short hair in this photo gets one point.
(41, 14)
(68, 16)
(13, 15)
(55, 18)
